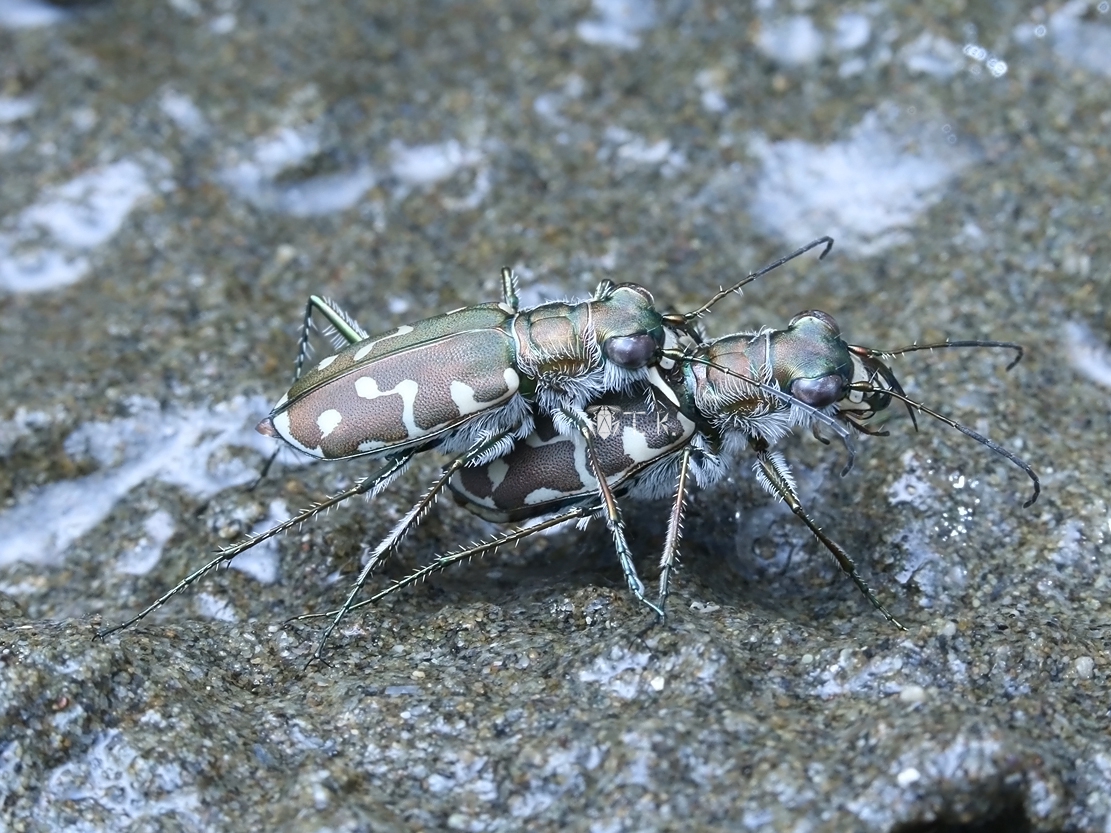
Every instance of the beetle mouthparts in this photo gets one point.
(266, 428)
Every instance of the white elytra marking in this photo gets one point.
(281, 425)
(365, 350)
(656, 381)
(496, 471)
(542, 495)
(512, 379)
(635, 446)
(325, 362)
(328, 421)
(463, 396)
(367, 388)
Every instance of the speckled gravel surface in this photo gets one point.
(178, 176)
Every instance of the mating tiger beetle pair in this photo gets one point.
(556, 411)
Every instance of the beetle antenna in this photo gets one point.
(680, 319)
(952, 423)
(941, 345)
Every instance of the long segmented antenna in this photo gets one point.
(682, 320)
(830, 422)
(941, 345)
(879, 369)
(952, 423)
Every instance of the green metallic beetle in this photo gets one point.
(469, 383)
(733, 395)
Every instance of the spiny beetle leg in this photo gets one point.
(509, 289)
(611, 509)
(368, 485)
(670, 554)
(193, 577)
(778, 479)
(343, 324)
(444, 561)
(604, 288)
(346, 327)
(411, 518)
(674, 529)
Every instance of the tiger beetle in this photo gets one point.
(739, 393)
(469, 383)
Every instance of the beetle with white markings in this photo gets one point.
(737, 394)
(469, 383)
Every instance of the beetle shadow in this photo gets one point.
(743, 549)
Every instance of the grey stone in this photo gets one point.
(178, 177)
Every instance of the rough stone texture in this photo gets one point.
(178, 176)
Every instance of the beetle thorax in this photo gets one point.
(556, 340)
(726, 396)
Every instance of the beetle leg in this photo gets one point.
(441, 562)
(674, 529)
(612, 512)
(602, 291)
(344, 325)
(509, 288)
(367, 485)
(407, 522)
(777, 479)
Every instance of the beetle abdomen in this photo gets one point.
(401, 398)
(548, 471)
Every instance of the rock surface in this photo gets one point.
(179, 176)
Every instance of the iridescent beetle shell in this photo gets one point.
(740, 392)
(402, 388)
(447, 381)
(548, 471)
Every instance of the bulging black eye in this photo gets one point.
(631, 352)
(820, 392)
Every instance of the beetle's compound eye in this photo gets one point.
(816, 315)
(631, 352)
(820, 392)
